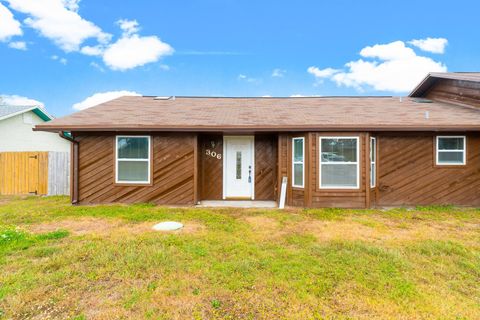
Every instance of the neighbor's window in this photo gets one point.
(373, 159)
(451, 150)
(298, 155)
(133, 159)
(339, 162)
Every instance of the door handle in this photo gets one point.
(249, 174)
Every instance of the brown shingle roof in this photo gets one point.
(268, 114)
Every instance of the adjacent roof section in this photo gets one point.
(433, 77)
(7, 111)
(268, 114)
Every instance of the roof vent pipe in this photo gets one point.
(427, 115)
(401, 99)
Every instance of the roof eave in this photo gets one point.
(243, 129)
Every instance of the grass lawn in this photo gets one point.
(104, 262)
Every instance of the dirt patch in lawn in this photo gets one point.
(262, 223)
(102, 226)
(379, 231)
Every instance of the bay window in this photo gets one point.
(298, 162)
(339, 167)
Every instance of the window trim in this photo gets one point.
(148, 160)
(438, 151)
(373, 182)
(357, 187)
(298, 162)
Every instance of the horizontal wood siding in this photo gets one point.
(407, 174)
(265, 167)
(173, 167)
(457, 91)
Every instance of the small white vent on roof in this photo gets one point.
(164, 98)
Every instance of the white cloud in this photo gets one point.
(20, 45)
(433, 45)
(303, 96)
(322, 73)
(9, 27)
(278, 73)
(59, 59)
(248, 79)
(92, 50)
(132, 50)
(59, 21)
(102, 97)
(129, 27)
(97, 66)
(14, 100)
(393, 67)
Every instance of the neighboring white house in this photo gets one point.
(16, 134)
(31, 162)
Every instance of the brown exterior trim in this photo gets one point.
(74, 173)
(195, 170)
(367, 170)
(253, 129)
(127, 184)
(360, 153)
(448, 166)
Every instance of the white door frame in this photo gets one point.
(252, 140)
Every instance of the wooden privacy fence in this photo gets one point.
(41, 173)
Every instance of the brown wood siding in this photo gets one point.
(173, 163)
(456, 91)
(211, 168)
(295, 195)
(407, 174)
(312, 195)
(265, 167)
(282, 162)
(342, 198)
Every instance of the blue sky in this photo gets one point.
(62, 52)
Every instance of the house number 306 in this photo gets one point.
(213, 154)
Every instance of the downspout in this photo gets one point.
(73, 166)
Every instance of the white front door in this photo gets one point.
(238, 167)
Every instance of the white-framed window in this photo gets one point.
(132, 158)
(339, 167)
(373, 161)
(451, 150)
(298, 162)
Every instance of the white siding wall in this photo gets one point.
(16, 134)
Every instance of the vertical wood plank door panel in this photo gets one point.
(265, 167)
(23, 173)
(211, 167)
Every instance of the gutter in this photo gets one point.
(73, 165)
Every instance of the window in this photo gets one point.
(451, 150)
(239, 165)
(133, 159)
(373, 159)
(339, 167)
(298, 155)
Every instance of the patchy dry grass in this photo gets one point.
(105, 262)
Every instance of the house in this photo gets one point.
(353, 152)
(31, 162)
